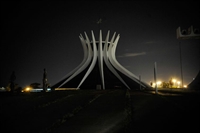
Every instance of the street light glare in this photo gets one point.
(185, 86)
(159, 82)
(174, 80)
(27, 89)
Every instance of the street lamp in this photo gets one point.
(181, 63)
(191, 33)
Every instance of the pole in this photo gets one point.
(181, 64)
(155, 80)
(45, 81)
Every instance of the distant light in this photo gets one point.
(153, 85)
(27, 89)
(39, 89)
(159, 83)
(174, 80)
(178, 82)
(185, 86)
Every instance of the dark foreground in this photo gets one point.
(95, 111)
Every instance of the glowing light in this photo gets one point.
(159, 83)
(185, 86)
(153, 85)
(178, 82)
(174, 80)
(27, 89)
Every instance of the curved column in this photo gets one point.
(108, 63)
(87, 61)
(115, 63)
(93, 61)
(114, 58)
(119, 66)
(85, 54)
(100, 57)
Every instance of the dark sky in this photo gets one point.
(38, 35)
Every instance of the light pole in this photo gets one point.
(155, 77)
(191, 33)
(181, 64)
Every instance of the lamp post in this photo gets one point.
(191, 33)
(155, 77)
(181, 64)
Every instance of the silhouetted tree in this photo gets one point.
(170, 83)
(165, 85)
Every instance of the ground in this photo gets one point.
(104, 111)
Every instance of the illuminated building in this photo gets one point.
(99, 68)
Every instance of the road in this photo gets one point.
(106, 114)
(167, 111)
(101, 111)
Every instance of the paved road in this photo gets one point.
(40, 112)
(108, 111)
(63, 111)
(165, 112)
(105, 114)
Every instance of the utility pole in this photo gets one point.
(155, 77)
(181, 64)
(44, 80)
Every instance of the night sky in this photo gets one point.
(38, 35)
